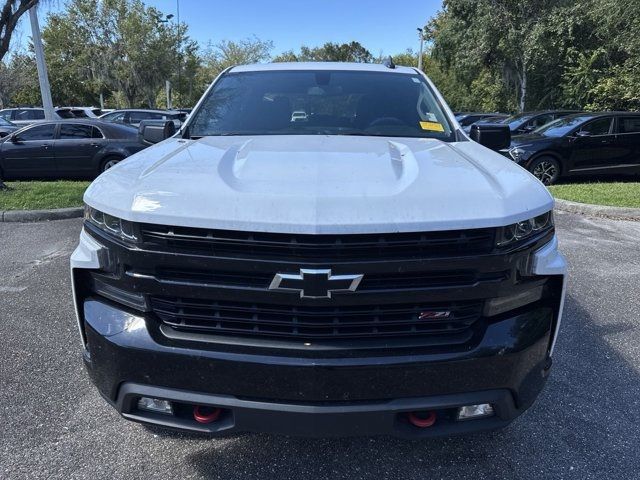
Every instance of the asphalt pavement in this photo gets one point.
(585, 425)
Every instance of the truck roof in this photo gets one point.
(357, 67)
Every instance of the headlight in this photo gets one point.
(516, 153)
(114, 226)
(525, 229)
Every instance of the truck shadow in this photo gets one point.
(585, 421)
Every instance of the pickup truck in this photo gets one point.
(370, 270)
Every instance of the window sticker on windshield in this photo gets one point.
(432, 126)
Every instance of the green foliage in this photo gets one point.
(217, 57)
(493, 55)
(19, 81)
(111, 46)
(329, 52)
(534, 54)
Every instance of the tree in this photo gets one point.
(581, 75)
(329, 52)
(217, 57)
(119, 47)
(11, 12)
(524, 45)
(19, 81)
(616, 31)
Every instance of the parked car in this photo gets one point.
(27, 115)
(66, 149)
(299, 116)
(6, 127)
(133, 117)
(527, 122)
(483, 119)
(581, 144)
(369, 271)
(85, 112)
(467, 119)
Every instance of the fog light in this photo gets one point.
(471, 412)
(155, 405)
(496, 306)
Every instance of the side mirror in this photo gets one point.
(582, 134)
(493, 136)
(15, 139)
(155, 131)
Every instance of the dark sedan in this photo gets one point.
(581, 144)
(6, 127)
(66, 149)
(528, 121)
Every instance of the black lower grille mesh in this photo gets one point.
(343, 322)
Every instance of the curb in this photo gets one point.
(616, 213)
(40, 215)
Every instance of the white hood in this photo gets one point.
(319, 184)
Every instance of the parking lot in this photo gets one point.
(584, 425)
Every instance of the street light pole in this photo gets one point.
(43, 77)
(420, 33)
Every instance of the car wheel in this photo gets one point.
(109, 162)
(546, 169)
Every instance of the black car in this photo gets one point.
(528, 121)
(467, 119)
(66, 149)
(492, 118)
(6, 127)
(581, 144)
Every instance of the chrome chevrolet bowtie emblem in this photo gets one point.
(315, 283)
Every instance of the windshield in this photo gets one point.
(515, 121)
(321, 103)
(5, 123)
(562, 126)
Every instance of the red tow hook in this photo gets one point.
(206, 414)
(421, 422)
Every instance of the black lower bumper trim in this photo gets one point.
(318, 397)
(319, 420)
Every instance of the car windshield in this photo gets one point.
(5, 123)
(562, 126)
(515, 120)
(321, 102)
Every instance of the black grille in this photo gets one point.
(370, 282)
(317, 323)
(288, 247)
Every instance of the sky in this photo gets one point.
(380, 26)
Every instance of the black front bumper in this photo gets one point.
(318, 396)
